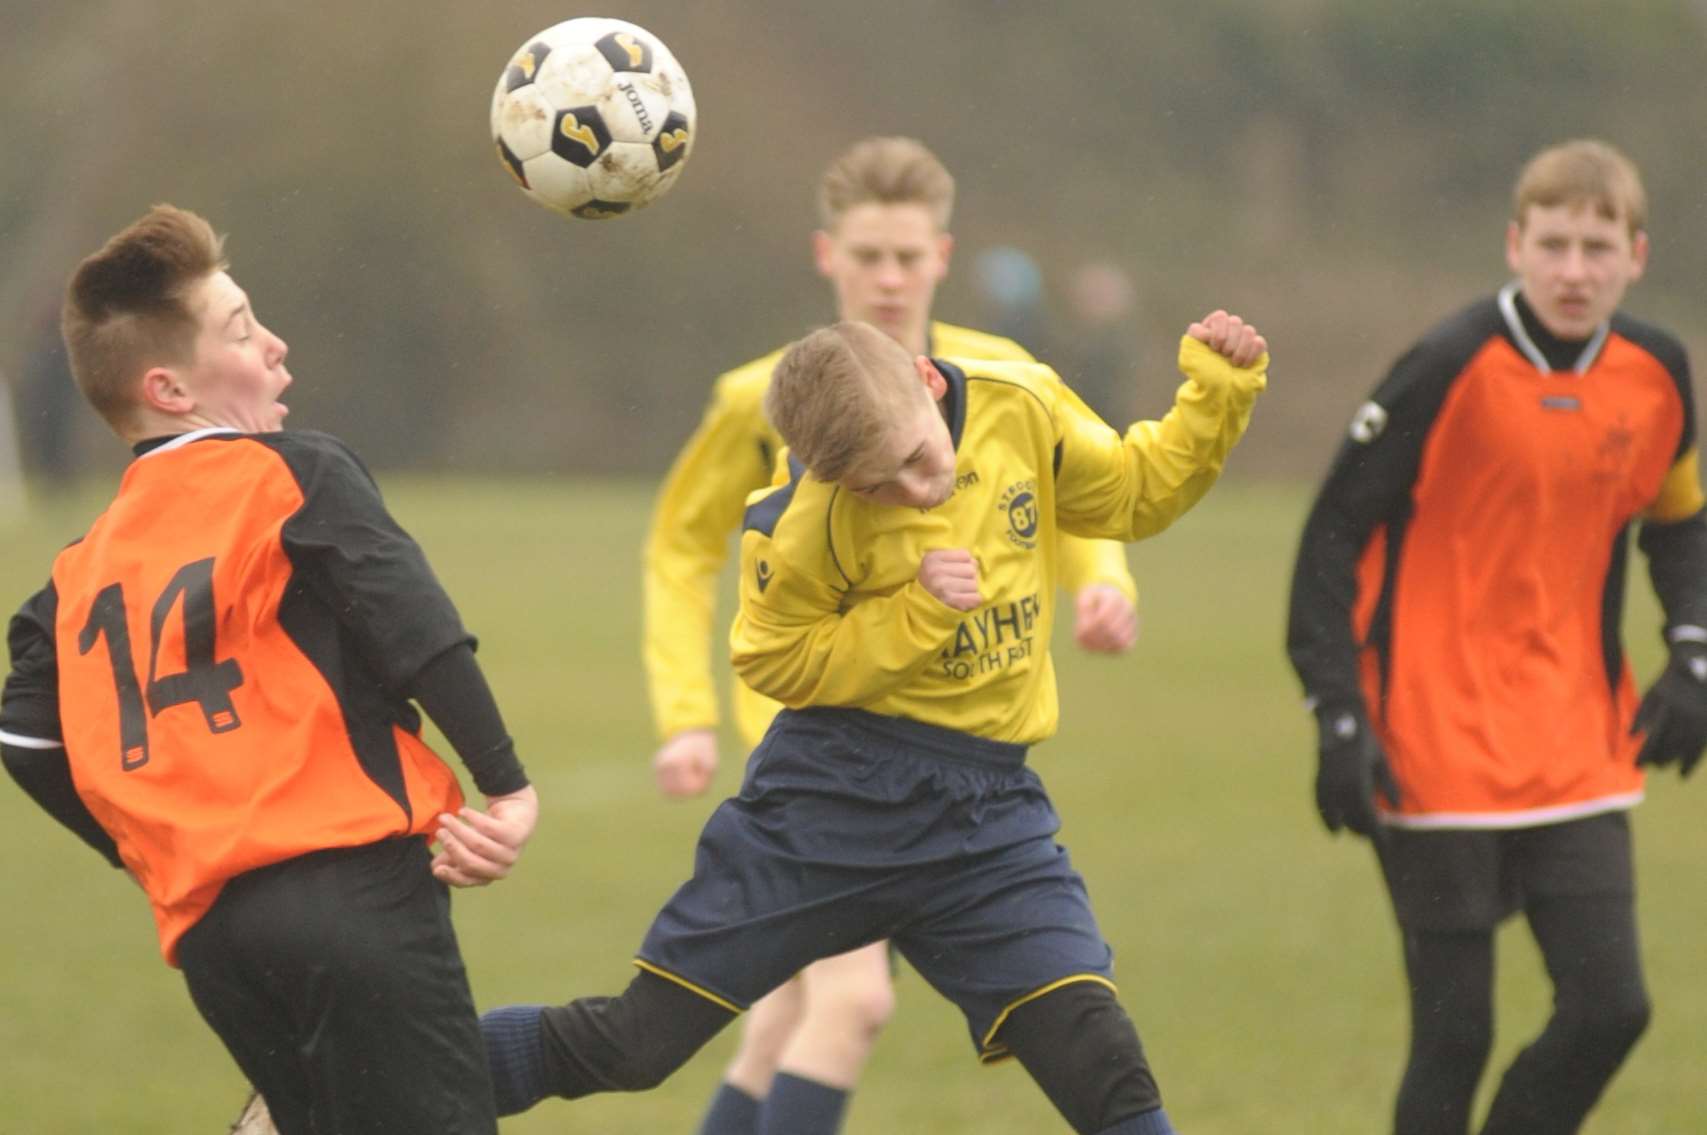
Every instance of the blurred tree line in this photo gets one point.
(1337, 170)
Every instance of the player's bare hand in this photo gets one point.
(685, 764)
(1105, 620)
(1230, 337)
(951, 574)
(477, 848)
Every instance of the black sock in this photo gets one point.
(732, 1112)
(516, 1056)
(798, 1106)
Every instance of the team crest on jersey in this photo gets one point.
(1368, 423)
(1616, 451)
(1019, 504)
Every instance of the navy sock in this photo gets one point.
(516, 1056)
(1145, 1123)
(798, 1106)
(732, 1112)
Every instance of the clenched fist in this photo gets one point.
(1230, 337)
(951, 574)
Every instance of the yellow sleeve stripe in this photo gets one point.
(688, 985)
(1680, 494)
(990, 1051)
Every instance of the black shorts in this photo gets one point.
(335, 981)
(852, 827)
(1473, 879)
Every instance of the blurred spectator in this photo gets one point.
(1103, 353)
(1010, 289)
(42, 402)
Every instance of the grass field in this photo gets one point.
(1256, 953)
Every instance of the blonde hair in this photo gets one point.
(1583, 171)
(886, 171)
(835, 394)
(127, 307)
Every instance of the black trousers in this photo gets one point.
(335, 981)
(1575, 885)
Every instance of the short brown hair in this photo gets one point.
(1583, 171)
(127, 307)
(834, 395)
(886, 171)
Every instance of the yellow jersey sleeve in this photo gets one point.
(1084, 563)
(1131, 487)
(697, 510)
(795, 640)
(1680, 494)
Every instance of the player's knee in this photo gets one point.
(1612, 1024)
(859, 1007)
(1083, 1051)
(1633, 1019)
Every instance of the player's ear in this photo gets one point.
(934, 382)
(823, 250)
(1513, 241)
(164, 390)
(1639, 253)
(944, 248)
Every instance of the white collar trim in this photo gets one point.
(194, 435)
(1520, 333)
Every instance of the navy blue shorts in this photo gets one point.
(852, 827)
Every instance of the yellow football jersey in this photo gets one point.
(831, 609)
(731, 454)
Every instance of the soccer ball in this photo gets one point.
(594, 118)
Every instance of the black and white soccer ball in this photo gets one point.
(594, 118)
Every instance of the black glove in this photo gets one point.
(1673, 712)
(1352, 769)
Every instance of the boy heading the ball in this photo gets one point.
(213, 691)
(885, 204)
(897, 595)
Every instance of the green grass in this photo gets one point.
(1256, 953)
